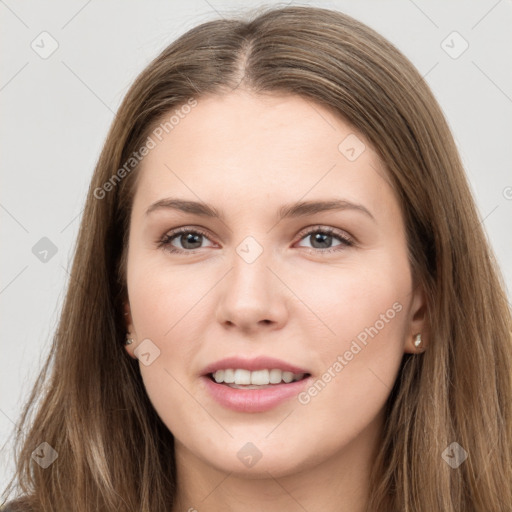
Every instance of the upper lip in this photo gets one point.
(257, 363)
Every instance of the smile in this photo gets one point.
(254, 398)
(245, 379)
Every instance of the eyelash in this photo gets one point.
(165, 241)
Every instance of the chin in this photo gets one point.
(255, 460)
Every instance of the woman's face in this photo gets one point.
(326, 293)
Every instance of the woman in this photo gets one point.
(282, 296)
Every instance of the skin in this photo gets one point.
(248, 155)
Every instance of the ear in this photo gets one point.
(130, 332)
(127, 315)
(418, 323)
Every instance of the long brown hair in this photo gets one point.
(114, 452)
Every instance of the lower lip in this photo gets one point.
(253, 400)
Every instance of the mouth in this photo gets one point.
(253, 385)
(239, 378)
(256, 391)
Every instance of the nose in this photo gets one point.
(251, 297)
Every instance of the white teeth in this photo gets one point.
(287, 376)
(275, 376)
(229, 376)
(260, 377)
(240, 377)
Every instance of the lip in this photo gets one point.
(253, 400)
(257, 363)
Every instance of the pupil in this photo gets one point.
(321, 238)
(190, 238)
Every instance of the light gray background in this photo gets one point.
(56, 112)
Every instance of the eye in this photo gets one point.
(322, 238)
(191, 240)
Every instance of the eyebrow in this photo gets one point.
(298, 209)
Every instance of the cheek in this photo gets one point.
(164, 297)
(361, 300)
(167, 306)
(363, 310)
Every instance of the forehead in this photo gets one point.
(242, 144)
